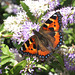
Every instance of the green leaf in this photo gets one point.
(52, 70)
(73, 3)
(5, 60)
(47, 66)
(69, 31)
(64, 46)
(56, 65)
(4, 7)
(73, 35)
(74, 28)
(7, 34)
(60, 60)
(5, 50)
(62, 2)
(16, 69)
(40, 66)
(3, 56)
(70, 38)
(1, 27)
(18, 2)
(66, 2)
(5, 15)
(29, 14)
(6, 64)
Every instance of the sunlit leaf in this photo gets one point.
(63, 46)
(16, 69)
(52, 70)
(5, 60)
(40, 66)
(73, 3)
(4, 7)
(5, 50)
(68, 31)
(1, 27)
(3, 56)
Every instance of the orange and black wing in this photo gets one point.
(52, 30)
(29, 47)
(34, 46)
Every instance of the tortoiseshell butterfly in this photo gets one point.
(48, 38)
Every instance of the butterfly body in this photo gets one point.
(48, 38)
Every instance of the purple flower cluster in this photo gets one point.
(0, 71)
(69, 61)
(29, 68)
(27, 29)
(68, 15)
(53, 4)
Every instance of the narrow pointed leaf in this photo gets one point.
(40, 66)
(16, 69)
(3, 56)
(5, 50)
(1, 27)
(60, 60)
(29, 14)
(5, 60)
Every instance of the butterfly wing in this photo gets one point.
(29, 47)
(34, 46)
(51, 29)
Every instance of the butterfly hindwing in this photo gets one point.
(34, 46)
(29, 47)
(43, 52)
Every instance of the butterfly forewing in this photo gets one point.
(52, 30)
